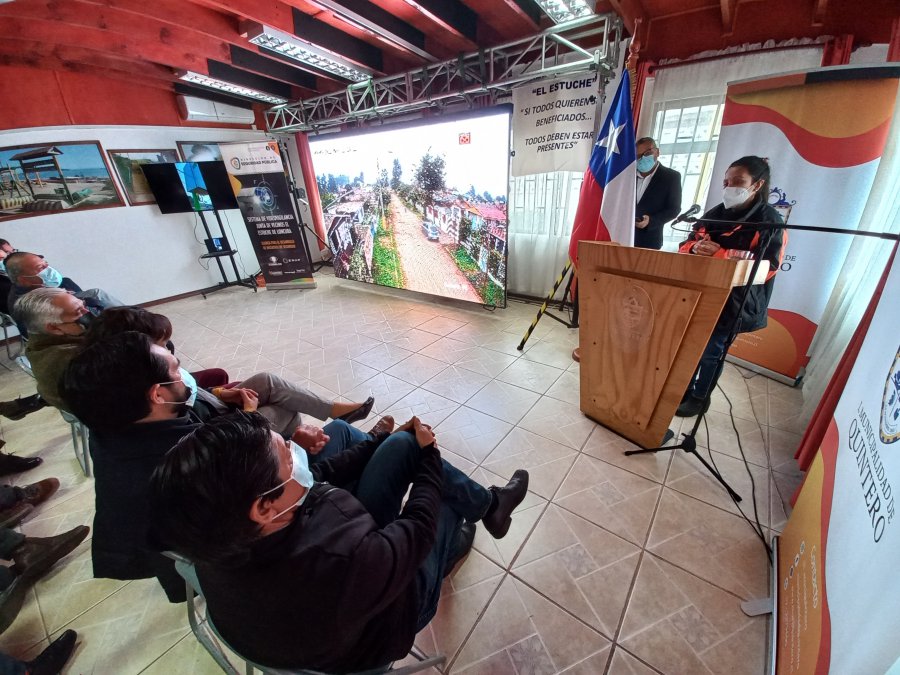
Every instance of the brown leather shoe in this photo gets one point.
(383, 426)
(506, 499)
(36, 555)
(41, 491)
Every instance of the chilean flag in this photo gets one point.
(606, 205)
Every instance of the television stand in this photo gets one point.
(249, 282)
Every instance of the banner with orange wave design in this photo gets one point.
(823, 132)
(838, 599)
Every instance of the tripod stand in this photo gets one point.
(567, 269)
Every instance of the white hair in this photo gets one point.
(37, 308)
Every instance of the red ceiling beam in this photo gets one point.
(728, 8)
(146, 40)
(821, 9)
(631, 11)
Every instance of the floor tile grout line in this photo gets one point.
(451, 661)
(637, 568)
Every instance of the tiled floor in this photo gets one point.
(613, 564)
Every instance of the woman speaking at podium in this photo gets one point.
(744, 200)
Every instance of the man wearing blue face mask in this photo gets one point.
(658, 195)
(28, 271)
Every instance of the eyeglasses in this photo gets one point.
(647, 153)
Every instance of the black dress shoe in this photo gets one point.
(11, 600)
(506, 499)
(36, 555)
(10, 464)
(51, 660)
(17, 409)
(361, 413)
(462, 544)
(693, 406)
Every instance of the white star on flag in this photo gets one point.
(611, 141)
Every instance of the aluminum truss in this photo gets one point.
(490, 73)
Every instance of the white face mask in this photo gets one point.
(735, 196)
(300, 473)
(188, 381)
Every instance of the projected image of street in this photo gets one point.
(421, 208)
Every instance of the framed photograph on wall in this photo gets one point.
(127, 164)
(53, 178)
(199, 151)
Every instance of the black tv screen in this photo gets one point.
(182, 187)
(166, 186)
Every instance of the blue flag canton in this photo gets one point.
(614, 148)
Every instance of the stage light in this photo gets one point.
(306, 53)
(565, 10)
(222, 85)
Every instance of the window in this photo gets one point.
(687, 132)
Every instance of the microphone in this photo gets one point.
(687, 214)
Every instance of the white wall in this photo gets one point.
(134, 252)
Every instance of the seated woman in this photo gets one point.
(299, 573)
(279, 401)
(745, 199)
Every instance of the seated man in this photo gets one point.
(298, 573)
(129, 391)
(55, 320)
(5, 284)
(280, 401)
(28, 271)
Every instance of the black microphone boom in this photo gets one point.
(687, 214)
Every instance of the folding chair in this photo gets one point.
(7, 322)
(79, 431)
(203, 629)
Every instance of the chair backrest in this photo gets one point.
(200, 620)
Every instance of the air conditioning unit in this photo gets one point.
(195, 109)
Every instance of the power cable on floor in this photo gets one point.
(755, 524)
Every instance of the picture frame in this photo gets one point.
(199, 151)
(39, 179)
(127, 166)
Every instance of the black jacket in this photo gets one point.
(123, 463)
(661, 201)
(331, 591)
(754, 316)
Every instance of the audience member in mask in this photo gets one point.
(28, 271)
(745, 198)
(300, 572)
(658, 195)
(56, 321)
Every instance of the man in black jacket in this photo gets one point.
(298, 573)
(658, 195)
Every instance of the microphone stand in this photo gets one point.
(765, 230)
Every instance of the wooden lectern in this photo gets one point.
(646, 317)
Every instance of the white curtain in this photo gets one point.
(541, 213)
(711, 77)
(859, 275)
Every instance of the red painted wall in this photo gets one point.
(38, 98)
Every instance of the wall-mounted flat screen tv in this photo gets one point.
(182, 187)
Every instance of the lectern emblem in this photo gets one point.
(632, 320)
(890, 404)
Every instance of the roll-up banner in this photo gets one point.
(838, 596)
(823, 132)
(257, 175)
